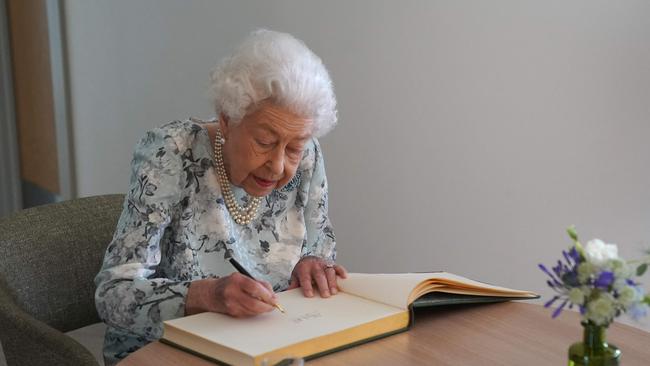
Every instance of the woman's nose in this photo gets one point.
(276, 162)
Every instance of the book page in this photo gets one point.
(305, 318)
(400, 289)
(389, 288)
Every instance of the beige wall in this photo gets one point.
(471, 133)
(32, 86)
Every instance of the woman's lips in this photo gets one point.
(263, 182)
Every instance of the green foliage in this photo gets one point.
(640, 270)
(571, 230)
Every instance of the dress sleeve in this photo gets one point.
(130, 296)
(320, 235)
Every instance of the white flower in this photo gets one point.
(598, 253)
(627, 296)
(621, 269)
(585, 270)
(602, 310)
(576, 296)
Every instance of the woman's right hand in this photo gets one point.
(235, 295)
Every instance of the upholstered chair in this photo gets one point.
(49, 256)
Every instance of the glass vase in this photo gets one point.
(594, 349)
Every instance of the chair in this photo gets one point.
(49, 256)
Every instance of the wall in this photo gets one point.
(10, 193)
(471, 133)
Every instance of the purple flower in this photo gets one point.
(567, 258)
(553, 282)
(631, 282)
(573, 253)
(638, 311)
(551, 301)
(557, 311)
(571, 279)
(604, 280)
(593, 287)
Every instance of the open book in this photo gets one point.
(369, 306)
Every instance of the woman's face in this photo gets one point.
(263, 151)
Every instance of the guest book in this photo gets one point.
(369, 306)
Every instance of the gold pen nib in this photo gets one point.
(279, 308)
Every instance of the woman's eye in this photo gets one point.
(263, 143)
(294, 150)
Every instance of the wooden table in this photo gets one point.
(511, 333)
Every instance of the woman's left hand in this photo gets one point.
(313, 271)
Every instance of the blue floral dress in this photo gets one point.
(175, 228)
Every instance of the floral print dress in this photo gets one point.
(175, 228)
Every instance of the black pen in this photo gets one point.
(243, 271)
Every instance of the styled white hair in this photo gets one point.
(275, 66)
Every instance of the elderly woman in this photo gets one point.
(248, 185)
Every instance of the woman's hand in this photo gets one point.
(235, 295)
(313, 271)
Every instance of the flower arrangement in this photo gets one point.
(598, 282)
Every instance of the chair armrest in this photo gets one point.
(28, 341)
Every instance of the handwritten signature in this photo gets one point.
(307, 316)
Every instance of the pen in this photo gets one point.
(243, 271)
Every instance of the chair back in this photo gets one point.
(49, 256)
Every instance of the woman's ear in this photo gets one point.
(224, 125)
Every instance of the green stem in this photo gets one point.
(640, 261)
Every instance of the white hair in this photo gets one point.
(275, 66)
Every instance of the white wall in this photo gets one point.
(471, 133)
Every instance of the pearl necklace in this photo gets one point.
(242, 215)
